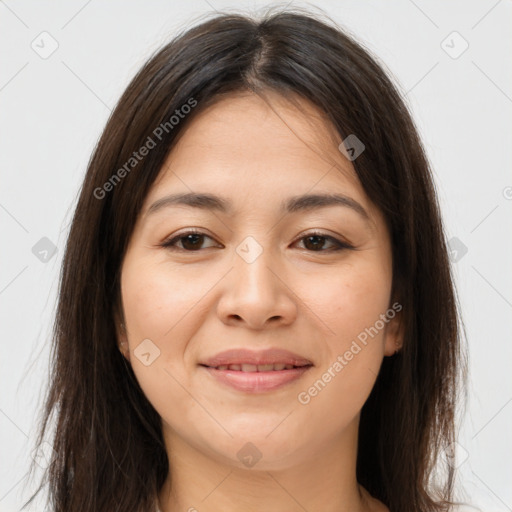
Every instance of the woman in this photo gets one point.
(256, 309)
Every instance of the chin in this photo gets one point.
(256, 449)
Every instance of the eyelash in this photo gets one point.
(170, 243)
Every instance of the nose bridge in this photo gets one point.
(252, 263)
(255, 293)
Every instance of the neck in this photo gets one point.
(325, 480)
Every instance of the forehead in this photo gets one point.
(250, 147)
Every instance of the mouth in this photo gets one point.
(256, 372)
(247, 367)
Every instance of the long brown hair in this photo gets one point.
(109, 452)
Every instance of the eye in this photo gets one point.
(190, 241)
(316, 241)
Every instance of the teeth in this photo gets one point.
(255, 368)
(249, 368)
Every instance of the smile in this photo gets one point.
(257, 368)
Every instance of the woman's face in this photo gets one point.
(272, 277)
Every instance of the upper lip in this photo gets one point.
(256, 357)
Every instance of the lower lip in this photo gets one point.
(257, 382)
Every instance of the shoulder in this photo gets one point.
(377, 506)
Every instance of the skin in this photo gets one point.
(194, 304)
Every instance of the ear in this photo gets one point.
(394, 334)
(123, 343)
(122, 336)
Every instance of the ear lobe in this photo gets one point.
(122, 339)
(394, 336)
(124, 349)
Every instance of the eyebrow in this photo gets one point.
(293, 204)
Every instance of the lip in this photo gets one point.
(245, 356)
(256, 381)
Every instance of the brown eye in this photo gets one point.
(316, 242)
(190, 241)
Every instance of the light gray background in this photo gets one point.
(53, 110)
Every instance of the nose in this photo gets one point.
(256, 294)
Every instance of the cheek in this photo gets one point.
(157, 313)
(160, 310)
(350, 304)
(156, 300)
(351, 300)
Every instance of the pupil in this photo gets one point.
(192, 239)
(316, 239)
